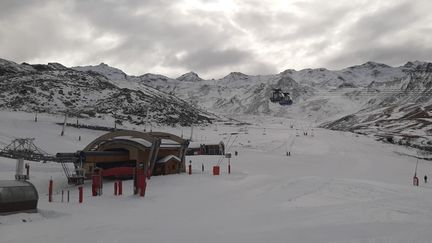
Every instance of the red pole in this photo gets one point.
(115, 188)
(149, 173)
(50, 190)
(97, 183)
(94, 184)
(141, 181)
(100, 183)
(143, 188)
(80, 194)
(415, 180)
(120, 187)
(94, 191)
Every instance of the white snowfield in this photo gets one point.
(335, 187)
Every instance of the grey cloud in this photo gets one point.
(204, 59)
(383, 23)
(11, 7)
(164, 32)
(31, 31)
(377, 37)
(225, 60)
(283, 26)
(396, 54)
(156, 35)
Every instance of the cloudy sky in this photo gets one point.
(215, 37)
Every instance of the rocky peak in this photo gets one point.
(4, 62)
(12, 67)
(370, 65)
(190, 77)
(56, 66)
(104, 69)
(412, 64)
(288, 72)
(149, 77)
(236, 76)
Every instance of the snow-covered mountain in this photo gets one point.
(359, 75)
(108, 71)
(320, 95)
(190, 77)
(54, 89)
(390, 102)
(401, 114)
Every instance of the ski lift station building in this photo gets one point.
(17, 196)
(119, 153)
(208, 148)
(196, 148)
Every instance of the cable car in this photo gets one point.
(277, 96)
(283, 98)
(286, 100)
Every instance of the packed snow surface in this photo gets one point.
(335, 187)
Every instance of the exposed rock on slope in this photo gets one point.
(393, 103)
(190, 77)
(54, 88)
(402, 115)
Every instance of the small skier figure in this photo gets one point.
(425, 178)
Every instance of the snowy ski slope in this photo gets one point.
(335, 187)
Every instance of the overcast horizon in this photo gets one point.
(214, 38)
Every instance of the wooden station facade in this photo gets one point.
(206, 149)
(119, 153)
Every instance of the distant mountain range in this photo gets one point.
(54, 88)
(392, 103)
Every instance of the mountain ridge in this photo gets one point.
(53, 88)
(371, 98)
(391, 103)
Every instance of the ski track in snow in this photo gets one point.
(335, 187)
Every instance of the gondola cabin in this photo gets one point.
(286, 100)
(283, 98)
(277, 95)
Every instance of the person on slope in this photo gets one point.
(425, 178)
